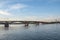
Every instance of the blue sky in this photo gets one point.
(30, 8)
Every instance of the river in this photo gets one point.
(31, 32)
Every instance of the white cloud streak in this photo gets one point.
(4, 7)
(18, 6)
(4, 13)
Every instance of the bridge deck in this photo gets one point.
(24, 22)
(6, 23)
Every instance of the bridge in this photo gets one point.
(6, 23)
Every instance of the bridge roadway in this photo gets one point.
(6, 23)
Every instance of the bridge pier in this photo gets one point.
(37, 23)
(27, 24)
(6, 24)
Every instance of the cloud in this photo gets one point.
(53, 0)
(26, 0)
(18, 6)
(3, 3)
(6, 6)
(50, 0)
(4, 13)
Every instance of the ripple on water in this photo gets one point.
(41, 32)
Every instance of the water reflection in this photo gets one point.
(6, 28)
(26, 27)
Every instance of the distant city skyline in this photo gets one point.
(30, 9)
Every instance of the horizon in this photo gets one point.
(30, 19)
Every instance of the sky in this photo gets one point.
(30, 9)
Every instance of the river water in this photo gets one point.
(31, 32)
